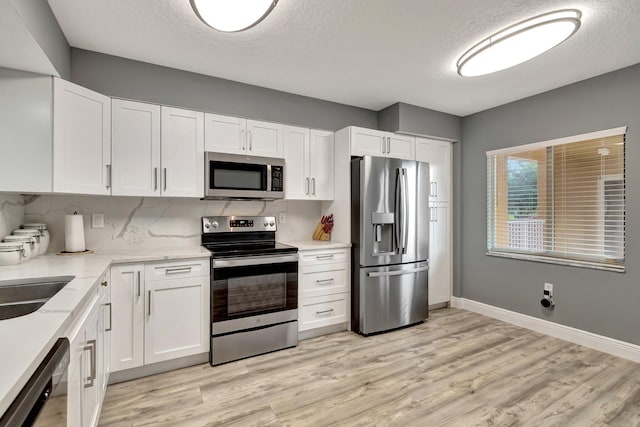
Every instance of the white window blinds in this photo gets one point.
(560, 201)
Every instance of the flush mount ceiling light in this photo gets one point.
(232, 15)
(519, 43)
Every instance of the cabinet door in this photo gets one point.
(135, 148)
(265, 139)
(177, 318)
(367, 142)
(182, 152)
(440, 254)
(105, 334)
(296, 157)
(321, 170)
(438, 155)
(224, 134)
(81, 140)
(127, 322)
(400, 146)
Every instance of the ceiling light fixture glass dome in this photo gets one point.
(519, 43)
(232, 15)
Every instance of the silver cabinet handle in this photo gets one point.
(149, 312)
(155, 179)
(313, 186)
(165, 179)
(435, 211)
(397, 272)
(384, 144)
(306, 185)
(324, 256)
(138, 282)
(91, 347)
(324, 311)
(435, 194)
(178, 270)
(320, 282)
(110, 318)
(108, 176)
(388, 144)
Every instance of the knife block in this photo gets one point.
(319, 233)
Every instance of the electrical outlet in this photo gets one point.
(282, 217)
(548, 288)
(97, 220)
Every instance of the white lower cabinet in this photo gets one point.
(160, 312)
(440, 280)
(324, 288)
(88, 367)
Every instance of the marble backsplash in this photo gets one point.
(11, 213)
(155, 222)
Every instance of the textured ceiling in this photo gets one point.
(367, 53)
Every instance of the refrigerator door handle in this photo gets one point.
(397, 239)
(397, 272)
(405, 211)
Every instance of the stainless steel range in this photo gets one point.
(254, 287)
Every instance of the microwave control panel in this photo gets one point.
(277, 178)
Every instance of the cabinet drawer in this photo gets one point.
(323, 256)
(177, 269)
(323, 311)
(331, 279)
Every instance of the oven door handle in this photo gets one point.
(253, 260)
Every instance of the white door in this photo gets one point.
(321, 161)
(177, 315)
(367, 142)
(81, 140)
(127, 322)
(182, 153)
(400, 146)
(296, 157)
(135, 148)
(440, 280)
(224, 134)
(438, 155)
(265, 139)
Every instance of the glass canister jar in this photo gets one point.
(29, 244)
(30, 233)
(12, 253)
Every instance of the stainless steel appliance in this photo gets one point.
(254, 287)
(36, 405)
(390, 236)
(234, 176)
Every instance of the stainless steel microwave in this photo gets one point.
(236, 176)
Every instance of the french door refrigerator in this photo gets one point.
(390, 243)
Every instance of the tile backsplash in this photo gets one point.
(155, 222)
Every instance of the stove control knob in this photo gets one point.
(272, 223)
(214, 224)
(207, 226)
(266, 224)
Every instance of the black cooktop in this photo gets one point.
(236, 249)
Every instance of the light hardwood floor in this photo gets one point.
(457, 369)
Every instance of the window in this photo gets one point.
(560, 201)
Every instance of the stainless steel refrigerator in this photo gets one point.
(390, 238)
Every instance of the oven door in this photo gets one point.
(253, 285)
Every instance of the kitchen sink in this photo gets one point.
(24, 296)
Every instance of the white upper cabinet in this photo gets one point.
(438, 155)
(135, 148)
(225, 134)
(182, 152)
(81, 140)
(309, 164)
(370, 142)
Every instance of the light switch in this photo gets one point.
(97, 220)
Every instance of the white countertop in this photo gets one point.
(317, 244)
(26, 340)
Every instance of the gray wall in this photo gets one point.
(414, 120)
(41, 22)
(598, 301)
(125, 78)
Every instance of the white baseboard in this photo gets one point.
(577, 336)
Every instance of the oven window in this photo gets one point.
(241, 176)
(257, 294)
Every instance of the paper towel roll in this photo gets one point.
(73, 233)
